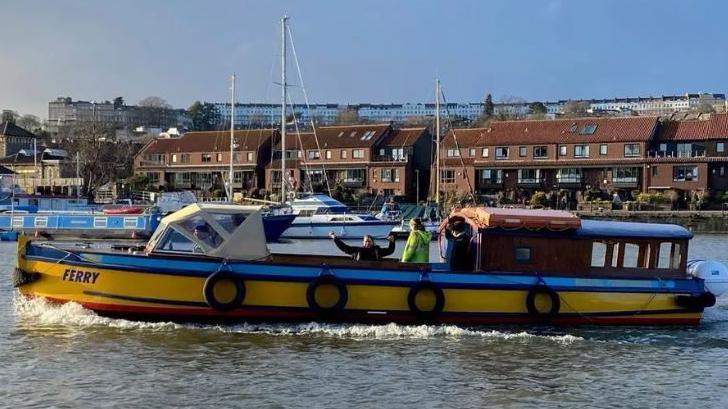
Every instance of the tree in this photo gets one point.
(153, 102)
(204, 116)
(118, 102)
(576, 108)
(9, 116)
(537, 108)
(489, 108)
(29, 122)
(348, 116)
(706, 108)
(101, 156)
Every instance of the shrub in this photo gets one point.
(538, 199)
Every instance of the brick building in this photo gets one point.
(201, 160)
(374, 158)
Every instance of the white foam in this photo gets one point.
(38, 312)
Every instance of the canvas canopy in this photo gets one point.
(219, 230)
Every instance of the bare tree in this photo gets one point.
(102, 158)
(348, 117)
(154, 102)
(575, 109)
(29, 122)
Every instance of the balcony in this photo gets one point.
(626, 182)
(677, 154)
(391, 158)
(353, 182)
(531, 182)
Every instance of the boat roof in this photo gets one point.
(317, 200)
(482, 218)
(613, 229)
(237, 231)
(512, 218)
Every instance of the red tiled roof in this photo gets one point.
(556, 131)
(210, 141)
(404, 137)
(716, 127)
(332, 137)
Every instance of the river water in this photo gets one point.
(67, 357)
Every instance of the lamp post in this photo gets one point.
(417, 187)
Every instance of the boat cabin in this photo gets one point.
(551, 242)
(212, 229)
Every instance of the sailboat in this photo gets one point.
(274, 222)
(430, 215)
(318, 215)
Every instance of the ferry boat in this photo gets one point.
(317, 215)
(530, 267)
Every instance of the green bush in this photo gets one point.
(538, 199)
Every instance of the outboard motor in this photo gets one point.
(714, 273)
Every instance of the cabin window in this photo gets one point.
(197, 227)
(229, 222)
(599, 254)
(631, 254)
(175, 241)
(523, 255)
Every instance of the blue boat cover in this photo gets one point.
(602, 228)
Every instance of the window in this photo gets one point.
(236, 158)
(250, 156)
(523, 255)
(206, 157)
(237, 177)
(589, 129)
(562, 150)
(599, 253)
(529, 176)
(472, 152)
(453, 153)
(540, 152)
(447, 176)
(581, 151)
(654, 170)
(569, 175)
(390, 175)
(631, 149)
(314, 154)
(491, 176)
(328, 154)
(486, 152)
(684, 173)
(293, 154)
(501, 152)
(153, 178)
(354, 175)
(398, 154)
(603, 149)
(185, 158)
(357, 154)
(174, 158)
(218, 157)
(625, 175)
(343, 153)
(720, 147)
(522, 151)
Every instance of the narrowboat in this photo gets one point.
(529, 267)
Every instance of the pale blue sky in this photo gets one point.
(379, 51)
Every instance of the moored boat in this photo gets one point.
(529, 267)
(122, 209)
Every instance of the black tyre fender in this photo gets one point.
(209, 291)
(531, 302)
(426, 286)
(696, 302)
(327, 279)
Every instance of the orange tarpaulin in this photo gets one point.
(492, 217)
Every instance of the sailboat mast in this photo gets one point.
(437, 141)
(283, 109)
(232, 139)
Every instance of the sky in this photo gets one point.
(371, 51)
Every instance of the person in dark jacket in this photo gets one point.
(368, 251)
(460, 257)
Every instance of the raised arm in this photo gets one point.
(344, 247)
(390, 249)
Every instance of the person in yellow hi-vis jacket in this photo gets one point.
(417, 249)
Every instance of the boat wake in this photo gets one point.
(39, 313)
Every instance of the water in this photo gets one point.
(65, 356)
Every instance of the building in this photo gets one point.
(374, 159)
(690, 155)
(200, 160)
(270, 114)
(570, 156)
(662, 105)
(50, 172)
(65, 111)
(14, 138)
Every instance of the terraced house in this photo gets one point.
(569, 156)
(201, 160)
(375, 159)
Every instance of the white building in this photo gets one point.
(270, 114)
(662, 105)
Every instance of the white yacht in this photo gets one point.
(319, 214)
